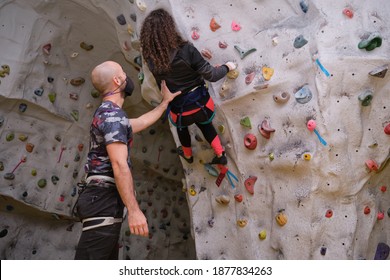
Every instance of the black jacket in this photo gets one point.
(188, 70)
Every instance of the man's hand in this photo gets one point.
(167, 95)
(137, 223)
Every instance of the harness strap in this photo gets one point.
(106, 221)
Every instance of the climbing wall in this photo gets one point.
(305, 121)
(46, 106)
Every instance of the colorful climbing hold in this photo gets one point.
(10, 136)
(6, 69)
(222, 44)
(95, 93)
(244, 53)
(29, 147)
(86, 46)
(246, 122)
(192, 190)
(77, 81)
(366, 97)
(311, 125)
(387, 129)
(52, 96)
(141, 5)
(221, 128)
(250, 184)
(299, 42)
(379, 72)
(235, 26)
(382, 251)
(75, 115)
(22, 107)
(238, 197)
(214, 26)
(267, 73)
(42, 183)
(9, 176)
(46, 49)
(233, 74)
(249, 77)
(380, 215)
(271, 156)
(307, 156)
(206, 53)
(263, 234)
(303, 95)
(211, 170)
(329, 213)
(33, 172)
(121, 19)
(250, 141)
(367, 210)
(372, 165)
(374, 40)
(38, 91)
(281, 218)
(304, 6)
(54, 179)
(242, 222)
(383, 189)
(348, 12)
(323, 251)
(282, 97)
(195, 35)
(222, 199)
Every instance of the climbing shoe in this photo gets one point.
(219, 160)
(179, 150)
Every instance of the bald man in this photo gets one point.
(109, 180)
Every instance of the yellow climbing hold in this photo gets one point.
(130, 29)
(267, 73)
(233, 74)
(263, 234)
(221, 128)
(192, 190)
(242, 222)
(307, 156)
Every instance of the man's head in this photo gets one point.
(109, 78)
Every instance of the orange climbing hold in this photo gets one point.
(214, 26)
(250, 184)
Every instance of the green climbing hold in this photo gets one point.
(42, 183)
(95, 93)
(373, 41)
(34, 172)
(365, 98)
(9, 176)
(75, 115)
(22, 137)
(246, 122)
(52, 96)
(10, 136)
(244, 53)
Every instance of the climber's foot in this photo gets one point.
(179, 150)
(219, 160)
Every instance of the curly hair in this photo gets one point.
(159, 37)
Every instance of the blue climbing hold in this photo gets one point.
(382, 251)
(299, 42)
(303, 95)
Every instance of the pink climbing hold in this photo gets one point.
(311, 125)
(235, 26)
(348, 12)
(372, 165)
(250, 141)
(46, 49)
(265, 129)
(249, 78)
(195, 35)
(250, 184)
(222, 44)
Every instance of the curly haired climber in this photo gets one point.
(173, 59)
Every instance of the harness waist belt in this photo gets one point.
(101, 178)
(106, 221)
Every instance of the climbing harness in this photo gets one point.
(105, 221)
(190, 98)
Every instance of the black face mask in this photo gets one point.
(129, 87)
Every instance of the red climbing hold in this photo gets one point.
(367, 210)
(372, 165)
(250, 141)
(387, 129)
(329, 213)
(348, 12)
(214, 26)
(383, 189)
(238, 197)
(380, 215)
(250, 184)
